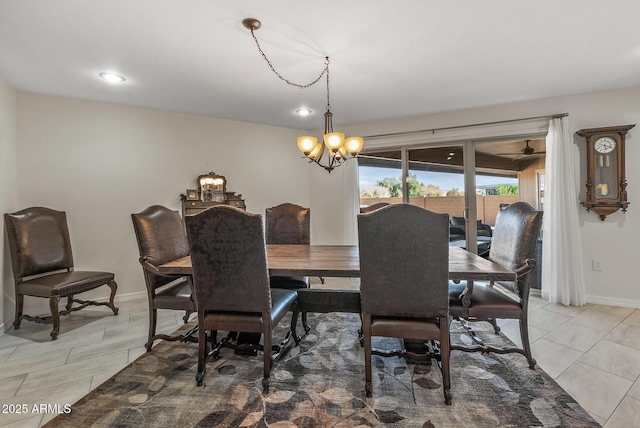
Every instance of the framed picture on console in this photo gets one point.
(192, 195)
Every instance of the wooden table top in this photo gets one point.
(344, 261)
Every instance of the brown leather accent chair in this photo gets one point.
(404, 254)
(42, 263)
(162, 238)
(289, 224)
(513, 246)
(231, 281)
(373, 207)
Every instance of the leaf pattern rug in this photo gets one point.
(320, 383)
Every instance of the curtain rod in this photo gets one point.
(433, 131)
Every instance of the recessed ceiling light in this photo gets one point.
(304, 111)
(112, 77)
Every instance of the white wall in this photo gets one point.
(101, 162)
(612, 242)
(7, 194)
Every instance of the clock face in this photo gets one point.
(604, 145)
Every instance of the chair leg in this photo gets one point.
(202, 350)
(266, 351)
(524, 335)
(114, 288)
(55, 316)
(19, 307)
(305, 324)
(494, 323)
(445, 352)
(185, 318)
(69, 304)
(153, 316)
(368, 388)
(294, 322)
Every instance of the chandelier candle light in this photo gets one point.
(335, 142)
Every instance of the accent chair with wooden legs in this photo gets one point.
(43, 266)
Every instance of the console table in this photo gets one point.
(211, 191)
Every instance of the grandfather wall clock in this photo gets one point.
(606, 181)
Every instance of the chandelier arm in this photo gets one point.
(297, 85)
(332, 165)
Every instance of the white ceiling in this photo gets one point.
(389, 59)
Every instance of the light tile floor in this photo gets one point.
(593, 352)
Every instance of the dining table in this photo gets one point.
(344, 261)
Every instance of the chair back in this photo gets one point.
(404, 262)
(161, 238)
(457, 221)
(229, 260)
(515, 237)
(373, 207)
(288, 224)
(38, 241)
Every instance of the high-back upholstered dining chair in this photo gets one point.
(43, 266)
(289, 224)
(373, 207)
(231, 281)
(404, 264)
(162, 238)
(514, 242)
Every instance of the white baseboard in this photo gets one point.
(600, 300)
(125, 297)
(603, 300)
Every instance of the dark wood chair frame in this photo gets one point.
(161, 237)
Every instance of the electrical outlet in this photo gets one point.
(595, 265)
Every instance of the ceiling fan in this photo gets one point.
(526, 151)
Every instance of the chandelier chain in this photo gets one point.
(297, 85)
(327, 71)
(336, 145)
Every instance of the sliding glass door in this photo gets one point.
(468, 180)
(380, 177)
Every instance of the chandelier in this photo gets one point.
(334, 144)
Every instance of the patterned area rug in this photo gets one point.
(321, 384)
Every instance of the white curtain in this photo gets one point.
(562, 265)
(351, 202)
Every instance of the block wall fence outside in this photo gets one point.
(488, 205)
